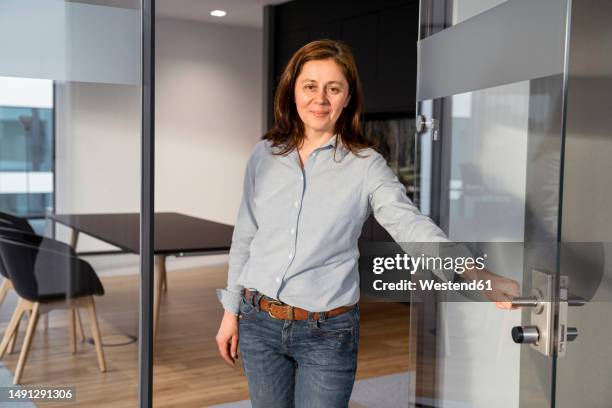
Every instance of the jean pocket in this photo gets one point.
(247, 310)
(341, 329)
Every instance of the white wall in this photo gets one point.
(208, 118)
(209, 103)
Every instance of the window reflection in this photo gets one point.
(26, 147)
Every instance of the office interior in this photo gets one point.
(512, 152)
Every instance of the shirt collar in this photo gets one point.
(341, 150)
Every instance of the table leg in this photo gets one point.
(74, 238)
(159, 276)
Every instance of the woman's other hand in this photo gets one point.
(227, 338)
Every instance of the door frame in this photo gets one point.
(147, 206)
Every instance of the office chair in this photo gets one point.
(8, 221)
(11, 222)
(47, 278)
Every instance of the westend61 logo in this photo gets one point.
(412, 264)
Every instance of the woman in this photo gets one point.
(293, 283)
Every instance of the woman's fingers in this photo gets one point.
(224, 347)
(227, 338)
(504, 305)
(234, 346)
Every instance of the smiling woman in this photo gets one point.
(291, 302)
(319, 92)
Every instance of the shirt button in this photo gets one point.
(301, 177)
(278, 279)
(290, 255)
(296, 204)
(292, 231)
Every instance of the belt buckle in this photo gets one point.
(279, 303)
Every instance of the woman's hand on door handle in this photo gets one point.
(502, 289)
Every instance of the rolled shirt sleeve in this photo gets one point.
(244, 231)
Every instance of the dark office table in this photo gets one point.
(175, 234)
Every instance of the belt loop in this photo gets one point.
(311, 321)
(256, 300)
(321, 316)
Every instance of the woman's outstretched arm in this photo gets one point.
(418, 233)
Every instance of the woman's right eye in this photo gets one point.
(309, 87)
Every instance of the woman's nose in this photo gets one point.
(321, 96)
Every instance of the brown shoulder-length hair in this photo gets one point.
(288, 131)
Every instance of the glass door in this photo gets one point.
(490, 108)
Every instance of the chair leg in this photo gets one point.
(165, 282)
(95, 330)
(11, 346)
(4, 288)
(81, 331)
(72, 329)
(27, 342)
(159, 273)
(46, 321)
(10, 329)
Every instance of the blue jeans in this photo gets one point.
(298, 363)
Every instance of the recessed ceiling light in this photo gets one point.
(218, 13)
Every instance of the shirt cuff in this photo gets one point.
(230, 300)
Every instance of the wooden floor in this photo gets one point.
(188, 370)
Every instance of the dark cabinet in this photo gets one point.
(382, 35)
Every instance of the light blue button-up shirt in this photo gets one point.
(297, 229)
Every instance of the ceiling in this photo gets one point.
(247, 13)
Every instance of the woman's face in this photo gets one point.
(321, 92)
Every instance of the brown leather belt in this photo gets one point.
(283, 311)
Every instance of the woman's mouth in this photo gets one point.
(320, 114)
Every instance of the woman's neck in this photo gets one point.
(314, 139)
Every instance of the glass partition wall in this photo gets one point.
(71, 118)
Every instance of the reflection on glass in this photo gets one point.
(395, 141)
(488, 163)
(26, 146)
(445, 14)
(423, 161)
(464, 9)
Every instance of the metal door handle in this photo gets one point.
(421, 123)
(525, 301)
(535, 300)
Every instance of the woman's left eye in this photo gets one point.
(335, 90)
